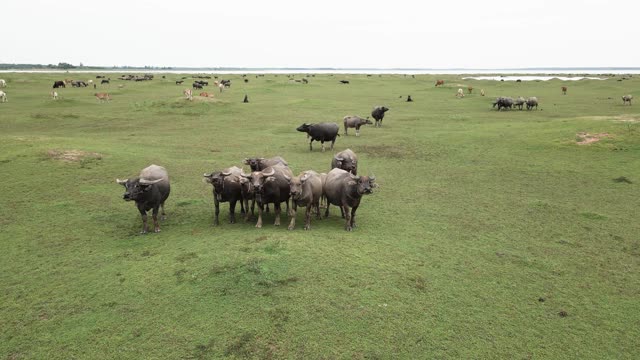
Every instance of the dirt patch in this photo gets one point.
(387, 151)
(583, 138)
(618, 118)
(72, 155)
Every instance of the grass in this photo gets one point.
(492, 234)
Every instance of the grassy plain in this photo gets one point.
(493, 235)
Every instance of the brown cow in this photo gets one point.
(564, 90)
(439, 82)
(102, 97)
(470, 89)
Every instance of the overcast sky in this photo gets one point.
(326, 33)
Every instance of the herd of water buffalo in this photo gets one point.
(270, 181)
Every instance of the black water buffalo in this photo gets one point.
(320, 132)
(104, 81)
(503, 103)
(258, 164)
(178, 82)
(378, 114)
(345, 190)
(59, 84)
(305, 190)
(344, 81)
(355, 122)
(227, 188)
(149, 190)
(532, 102)
(346, 160)
(519, 102)
(197, 85)
(270, 186)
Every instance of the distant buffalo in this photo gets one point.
(59, 84)
(320, 132)
(378, 114)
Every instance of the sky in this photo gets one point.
(473, 34)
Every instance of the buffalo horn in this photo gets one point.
(121, 181)
(354, 177)
(207, 175)
(273, 171)
(226, 173)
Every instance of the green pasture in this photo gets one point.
(492, 235)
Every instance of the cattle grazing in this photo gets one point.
(104, 81)
(378, 114)
(149, 190)
(564, 90)
(226, 83)
(205, 94)
(221, 87)
(320, 132)
(460, 93)
(54, 95)
(59, 84)
(470, 89)
(345, 190)
(409, 99)
(482, 92)
(270, 186)
(627, 99)
(439, 82)
(532, 102)
(355, 122)
(3, 83)
(179, 82)
(226, 188)
(503, 103)
(196, 85)
(344, 81)
(259, 164)
(188, 94)
(78, 83)
(246, 99)
(519, 102)
(102, 97)
(346, 160)
(304, 190)
(3, 97)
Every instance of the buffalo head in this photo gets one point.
(365, 184)
(136, 187)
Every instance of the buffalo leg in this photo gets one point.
(326, 211)
(259, 223)
(154, 215)
(144, 222)
(217, 211)
(317, 206)
(307, 217)
(345, 129)
(311, 147)
(333, 142)
(276, 209)
(164, 215)
(357, 130)
(322, 143)
(292, 216)
(353, 216)
(232, 212)
(347, 216)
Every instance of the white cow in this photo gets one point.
(54, 95)
(3, 83)
(482, 92)
(3, 96)
(188, 94)
(460, 93)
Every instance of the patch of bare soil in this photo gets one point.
(583, 138)
(72, 155)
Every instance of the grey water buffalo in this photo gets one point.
(503, 103)
(305, 190)
(519, 102)
(149, 190)
(378, 114)
(346, 160)
(345, 190)
(627, 99)
(270, 186)
(351, 121)
(226, 188)
(320, 132)
(59, 84)
(532, 102)
(258, 164)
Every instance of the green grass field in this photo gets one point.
(492, 235)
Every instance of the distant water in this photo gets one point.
(252, 71)
(534, 77)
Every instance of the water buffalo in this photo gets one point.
(270, 186)
(355, 122)
(59, 84)
(226, 188)
(345, 190)
(258, 164)
(346, 160)
(378, 114)
(627, 99)
(149, 190)
(320, 132)
(439, 82)
(519, 102)
(532, 102)
(503, 102)
(305, 190)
